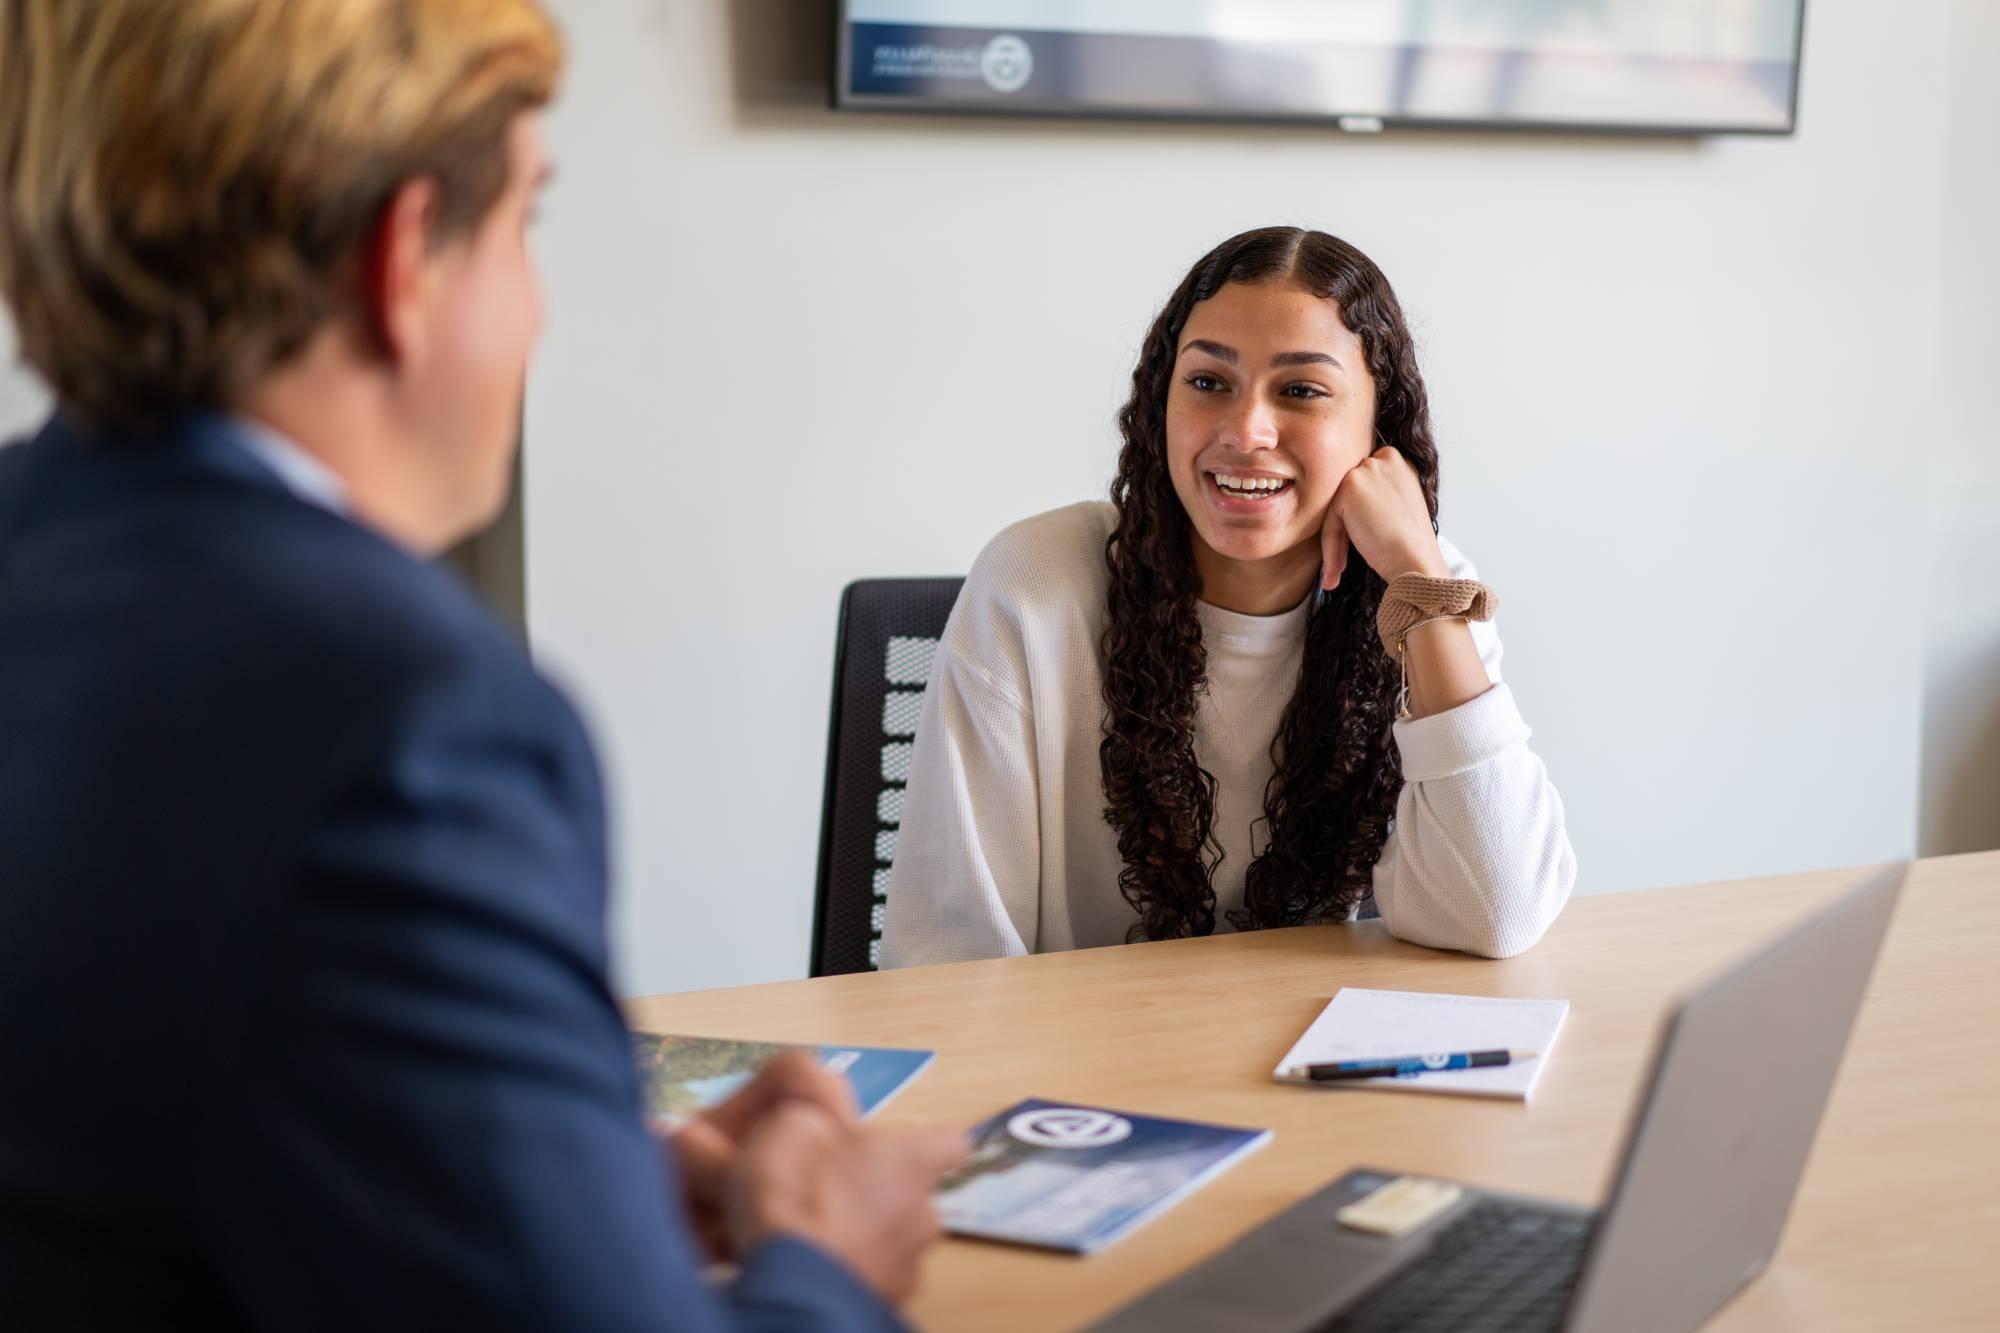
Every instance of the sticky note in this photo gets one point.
(1400, 1207)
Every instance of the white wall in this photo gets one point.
(1678, 386)
(22, 398)
(1960, 808)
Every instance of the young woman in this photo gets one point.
(1255, 689)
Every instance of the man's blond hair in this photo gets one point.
(187, 186)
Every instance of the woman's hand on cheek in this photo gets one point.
(1333, 546)
(1379, 512)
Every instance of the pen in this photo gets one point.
(1408, 1066)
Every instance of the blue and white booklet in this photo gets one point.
(682, 1075)
(1076, 1178)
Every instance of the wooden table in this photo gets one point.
(1897, 1224)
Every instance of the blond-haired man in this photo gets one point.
(303, 1006)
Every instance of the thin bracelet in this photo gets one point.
(1403, 662)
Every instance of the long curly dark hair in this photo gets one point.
(1331, 800)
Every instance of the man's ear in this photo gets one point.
(396, 274)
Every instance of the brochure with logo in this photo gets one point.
(681, 1075)
(1077, 1178)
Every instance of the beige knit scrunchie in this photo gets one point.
(1411, 598)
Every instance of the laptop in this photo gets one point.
(1712, 1158)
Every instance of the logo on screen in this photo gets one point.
(1069, 1127)
(1006, 64)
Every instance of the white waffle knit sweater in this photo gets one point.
(1004, 848)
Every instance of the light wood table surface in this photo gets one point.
(1897, 1223)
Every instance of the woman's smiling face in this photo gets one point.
(1271, 405)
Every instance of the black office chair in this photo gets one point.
(888, 633)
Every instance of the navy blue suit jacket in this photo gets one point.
(303, 1013)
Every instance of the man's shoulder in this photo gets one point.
(364, 623)
(241, 602)
(369, 600)
(243, 558)
(406, 642)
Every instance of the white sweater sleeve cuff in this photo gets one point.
(1460, 738)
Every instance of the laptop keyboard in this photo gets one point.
(1499, 1266)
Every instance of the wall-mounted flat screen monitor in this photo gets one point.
(1649, 66)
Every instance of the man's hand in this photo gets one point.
(1379, 511)
(861, 1194)
(709, 1147)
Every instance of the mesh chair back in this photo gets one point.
(889, 630)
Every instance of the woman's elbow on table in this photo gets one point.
(1497, 914)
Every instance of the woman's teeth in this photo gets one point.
(1249, 486)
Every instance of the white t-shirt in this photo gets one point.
(1004, 848)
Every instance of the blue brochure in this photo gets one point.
(681, 1075)
(1077, 1178)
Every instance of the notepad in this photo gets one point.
(1376, 1024)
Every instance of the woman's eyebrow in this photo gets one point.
(1225, 353)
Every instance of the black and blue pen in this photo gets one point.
(1408, 1066)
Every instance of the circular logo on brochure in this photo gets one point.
(1069, 1127)
(1006, 64)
